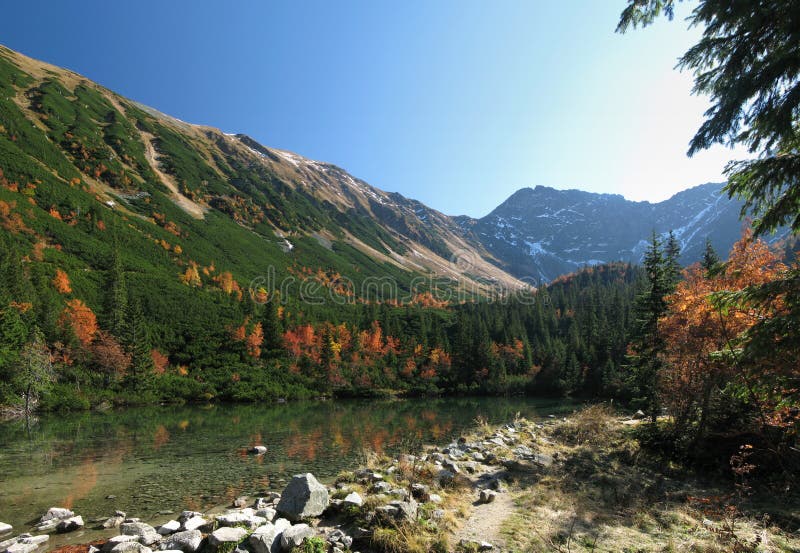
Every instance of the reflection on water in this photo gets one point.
(150, 460)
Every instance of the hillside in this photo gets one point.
(222, 199)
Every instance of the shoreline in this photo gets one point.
(580, 483)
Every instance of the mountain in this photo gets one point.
(71, 149)
(541, 233)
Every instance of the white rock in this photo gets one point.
(5, 528)
(194, 522)
(353, 499)
(56, 513)
(169, 527)
(225, 535)
(295, 536)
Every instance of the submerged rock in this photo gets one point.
(304, 497)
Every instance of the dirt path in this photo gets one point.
(190, 207)
(486, 520)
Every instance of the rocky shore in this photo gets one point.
(575, 484)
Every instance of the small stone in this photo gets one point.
(258, 450)
(5, 528)
(240, 502)
(353, 499)
(295, 536)
(487, 496)
(435, 498)
(381, 487)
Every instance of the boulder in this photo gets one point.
(56, 513)
(169, 527)
(267, 538)
(267, 513)
(193, 523)
(5, 528)
(245, 517)
(295, 536)
(304, 497)
(116, 540)
(34, 540)
(240, 502)
(20, 547)
(146, 534)
(187, 541)
(131, 547)
(226, 535)
(69, 524)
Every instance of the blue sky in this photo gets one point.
(455, 103)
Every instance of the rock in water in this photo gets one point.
(5, 528)
(188, 541)
(295, 536)
(304, 497)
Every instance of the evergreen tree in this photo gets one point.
(272, 328)
(710, 262)
(646, 341)
(672, 269)
(136, 341)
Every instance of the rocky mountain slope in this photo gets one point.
(70, 148)
(542, 232)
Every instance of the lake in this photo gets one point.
(151, 461)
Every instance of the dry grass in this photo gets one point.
(608, 496)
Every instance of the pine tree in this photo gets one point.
(272, 328)
(672, 253)
(646, 341)
(136, 341)
(710, 261)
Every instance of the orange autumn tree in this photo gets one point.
(81, 320)
(702, 337)
(61, 282)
